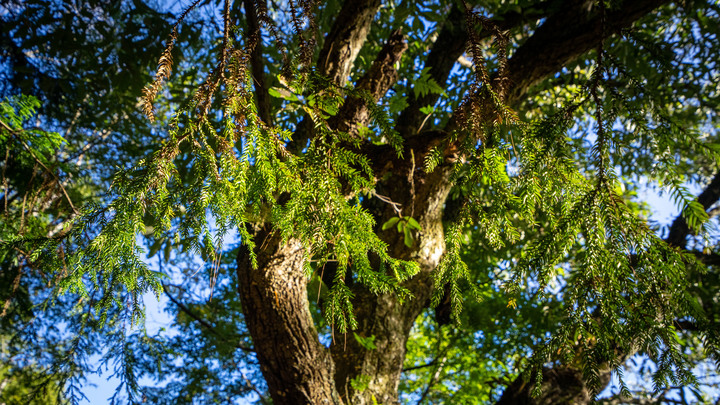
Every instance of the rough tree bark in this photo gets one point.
(297, 367)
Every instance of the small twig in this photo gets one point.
(5, 182)
(215, 271)
(426, 365)
(411, 179)
(203, 322)
(254, 389)
(713, 212)
(396, 206)
(423, 123)
(434, 379)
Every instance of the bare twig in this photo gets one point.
(203, 322)
(393, 204)
(4, 178)
(426, 365)
(411, 180)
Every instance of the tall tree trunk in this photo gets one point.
(297, 367)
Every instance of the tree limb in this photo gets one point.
(564, 36)
(15, 132)
(679, 230)
(346, 38)
(182, 307)
(256, 61)
(448, 47)
(336, 58)
(376, 81)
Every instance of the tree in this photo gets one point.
(393, 207)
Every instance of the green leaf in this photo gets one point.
(390, 223)
(427, 110)
(413, 224)
(397, 103)
(409, 240)
(426, 84)
(366, 342)
(285, 94)
(360, 383)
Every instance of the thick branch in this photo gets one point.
(256, 61)
(561, 385)
(449, 46)
(346, 38)
(377, 81)
(338, 54)
(679, 230)
(569, 33)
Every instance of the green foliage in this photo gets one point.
(360, 382)
(18, 387)
(406, 226)
(366, 342)
(425, 84)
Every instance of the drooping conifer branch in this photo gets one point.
(164, 67)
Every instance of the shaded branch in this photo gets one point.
(426, 365)
(15, 132)
(710, 259)
(346, 38)
(182, 307)
(619, 399)
(448, 47)
(564, 36)
(560, 384)
(679, 230)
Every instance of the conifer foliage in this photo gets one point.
(342, 178)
